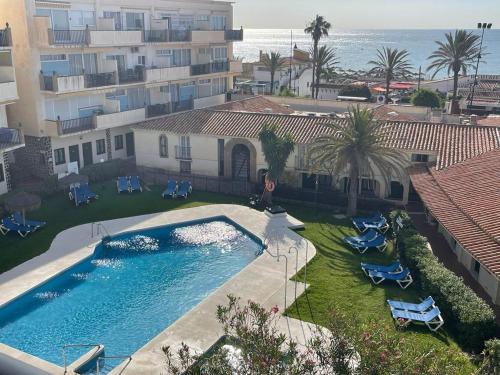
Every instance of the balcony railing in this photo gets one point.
(5, 37)
(75, 125)
(10, 138)
(68, 37)
(46, 83)
(155, 110)
(100, 79)
(234, 35)
(208, 68)
(183, 105)
(162, 36)
(131, 75)
(183, 153)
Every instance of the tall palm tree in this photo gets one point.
(277, 150)
(325, 59)
(317, 28)
(455, 55)
(391, 64)
(273, 62)
(358, 144)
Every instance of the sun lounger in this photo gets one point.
(7, 225)
(367, 236)
(390, 268)
(432, 318)
(403, 278)
(377, 242)
(122, 184)
(358, 221)
(86, 190)
(171, 190)
(78, 195)
(421, 307)
(17, 217)
(135, 184)
(185, 189)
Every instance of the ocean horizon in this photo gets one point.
(356, 47)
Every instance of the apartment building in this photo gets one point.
(10, 139)
(91, 68)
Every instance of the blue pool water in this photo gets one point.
(132, 288)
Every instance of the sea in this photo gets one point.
(355, 48)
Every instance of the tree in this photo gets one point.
(358, 144)
(276, 152)
(358, 91)
(318, 28)
(455, 55)
(426, 98)
(325, 58)
(273, 62)
(391, 64)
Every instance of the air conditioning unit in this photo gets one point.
(134, 49)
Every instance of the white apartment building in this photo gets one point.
(10, 139)
(88, 69)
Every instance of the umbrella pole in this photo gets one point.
(24, 216)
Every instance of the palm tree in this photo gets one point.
(277, 150)
(273, 62)
(456, 55)
(318, 28)
(358, 144)
(325, 59)
(391, 64)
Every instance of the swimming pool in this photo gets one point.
(134, 286)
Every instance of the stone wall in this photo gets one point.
(36, 157)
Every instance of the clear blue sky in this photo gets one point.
(367, 14)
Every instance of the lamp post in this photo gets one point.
(482, 26)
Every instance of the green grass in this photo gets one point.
(334, 274)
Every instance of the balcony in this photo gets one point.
(208, 36)
(182, 105)
(156, 110)
(209, 68)
(8, 87)
(167, 36)
(116, 119)
(233, 35)
(155, 74)
(68, 37)
(114, 38)
(68, 127)
(66, 84)
(131, 75)
(183, 153)
(10, 139)
(5, 37)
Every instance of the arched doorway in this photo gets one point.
(240, 162)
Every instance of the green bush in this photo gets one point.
(470, 318)
(107, 171)
(426, 98)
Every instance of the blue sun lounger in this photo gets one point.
(171, 190)
(421, 307)
(7, 225)
(390, 268)
(367, 236)
(403, 278)
(77, 195)
(377, 242)
(431, 318)
(17, 217)
(122, 184)
(135, 184)
(184, 189)
(377, 222)
(89, 193)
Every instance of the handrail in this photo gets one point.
(74, 346)
(278, 256)
(129, 357)
(98, 227)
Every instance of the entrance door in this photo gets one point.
(241, 163)
(129, 142)
(74, 154)
(87, 154)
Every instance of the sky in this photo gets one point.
(367, 14)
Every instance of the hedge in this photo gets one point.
(468, 316)
(107, 170)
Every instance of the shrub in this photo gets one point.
(491, 358)
(469, 317)
(356, 91)
(426, 98)
(108, 170)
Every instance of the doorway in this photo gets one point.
(87, 154)
(74, 154)
(241, 163)
(129, 143)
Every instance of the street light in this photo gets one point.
(482, 26)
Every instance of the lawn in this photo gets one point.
(334, 274)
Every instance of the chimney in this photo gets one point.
(473, 120)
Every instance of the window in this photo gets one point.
(476, 266)
(218, 22)
(163, 52)
(220, 53)
(205, 51)
(59, 156)
(118, 142)
(53, 57)
(81, 18)
(2, 175)
(419, 158)
(163, 146)
(202, 18)
(100, 146)
(396, 190)
(204, 88)
(219, 86)
(220, 153)
(141, 60)
(185, 167)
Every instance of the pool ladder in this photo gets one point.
(98, 358)
(98, 229)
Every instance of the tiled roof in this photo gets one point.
(254, 104)
(388, 113)
(453, 196)
(452, 143)
(490, 121)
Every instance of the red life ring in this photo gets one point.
(270, 186)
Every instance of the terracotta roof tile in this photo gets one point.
(257, 104)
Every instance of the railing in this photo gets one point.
(75, 346)
(208, 68)
(46, 83)
(5, 37)
(234, 35)
(68, 37)
(131, 75)
(100, 79)
(10, 137)
(183, 105)
(75, 125)
(161, 36)
(155, 110)
(183, 153)
(99, 359)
